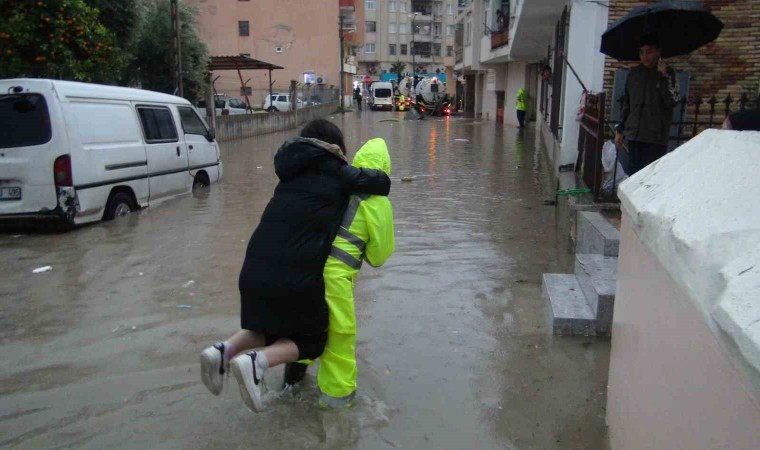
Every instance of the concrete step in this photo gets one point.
(570, 313)
(596, 235)
(597, 277)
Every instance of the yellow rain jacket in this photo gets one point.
(366, 233)
(521, 100)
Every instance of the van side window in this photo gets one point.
(191, 123)
(158, 124)
(282, 98)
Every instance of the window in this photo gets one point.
(437, 29)
(237, 103)
(436, 49)
(243, 28)
(449, 50)
(392, 28)
(392, 6)
(437, 8)
(450, 10)
(467, 33)
(403, 49)
(246, 91)
(370, 26)
(158, 124)
(391, 49)
(369, 47)
(450, 30)
(383, 93)
(402, 28)
(370, 4)
(282, 98)
(191, 123)
(25, 120)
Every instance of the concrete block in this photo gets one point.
(597, 277)
(570, 313)
(596, 235)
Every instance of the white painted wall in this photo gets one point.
(587, 23)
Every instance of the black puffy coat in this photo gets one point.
(282, 291)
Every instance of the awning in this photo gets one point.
(239, 63)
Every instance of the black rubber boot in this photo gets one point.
(294, 373)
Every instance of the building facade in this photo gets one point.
(303, 37)
(418, 34)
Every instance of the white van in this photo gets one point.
(79, 152)
(381, 95)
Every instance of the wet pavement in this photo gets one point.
(454, 346)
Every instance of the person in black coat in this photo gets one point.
(282, 292)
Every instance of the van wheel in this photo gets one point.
(272, 109)
(200, 181)
(120, 205)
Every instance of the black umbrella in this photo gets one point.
(679, 26)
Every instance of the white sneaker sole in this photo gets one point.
(211, 360)
(242, 368)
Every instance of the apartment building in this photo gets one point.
(303, 37)
(416, 33)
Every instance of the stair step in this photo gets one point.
(570, 312)
(596, 235)
(597, 276)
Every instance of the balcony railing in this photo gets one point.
(499, 38)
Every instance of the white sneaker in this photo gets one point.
(213, 368)
(250, 378)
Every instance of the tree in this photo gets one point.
(56, 39)
(119, 16)
(151, 50)
(398, 69)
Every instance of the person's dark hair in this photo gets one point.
(745, 120)
(649, 39)
(325, 131)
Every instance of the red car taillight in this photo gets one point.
(225, 112)
(62, 171)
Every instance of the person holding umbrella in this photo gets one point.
(651, 93)
(647, 34)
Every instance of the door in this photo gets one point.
(167, 159)
(202, 154)
(500, 107)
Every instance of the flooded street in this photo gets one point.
(454, 342)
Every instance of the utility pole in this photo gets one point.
(414, 64)
(342, 64)
(177, 47)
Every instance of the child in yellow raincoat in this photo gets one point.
(366, 233)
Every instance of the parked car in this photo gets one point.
(224, 106)
(280, 102)
(79, 152)
(381, 96)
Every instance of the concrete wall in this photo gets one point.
(242, 126)
(272, 24)
(671, 384)
(587, 23)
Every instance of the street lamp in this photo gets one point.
(414, 65)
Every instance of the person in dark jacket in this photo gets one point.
(282, 289)
(651, 93)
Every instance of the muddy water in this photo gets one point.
(454, 347)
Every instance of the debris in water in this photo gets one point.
(407, 179)
(140, 274)
(188, 284)
(42, 269)
(259, 167)
(16, 236)
(461, 140)
(114, 330)
(184, 306)
(134, 328)
(387, 371)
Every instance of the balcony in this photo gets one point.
(499, 38)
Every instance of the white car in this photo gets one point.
(224, 107)
(280, 102)
(79, 152)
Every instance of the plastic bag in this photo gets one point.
(609, 157)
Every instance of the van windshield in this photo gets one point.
(382, 93)
(25, 120)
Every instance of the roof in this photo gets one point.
(239, 62)
(91, 90)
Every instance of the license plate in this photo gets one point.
(10, 193)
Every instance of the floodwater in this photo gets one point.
(454, 346)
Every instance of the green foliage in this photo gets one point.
(398, 69)
(56, 39)
(151, 52)
(119, 16)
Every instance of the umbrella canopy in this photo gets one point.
(679, 26)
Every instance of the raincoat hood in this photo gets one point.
(374, 155)
(298, 154)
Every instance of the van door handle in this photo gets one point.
(191, 147)
(178, 150)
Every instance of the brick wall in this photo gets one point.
(729, 65)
